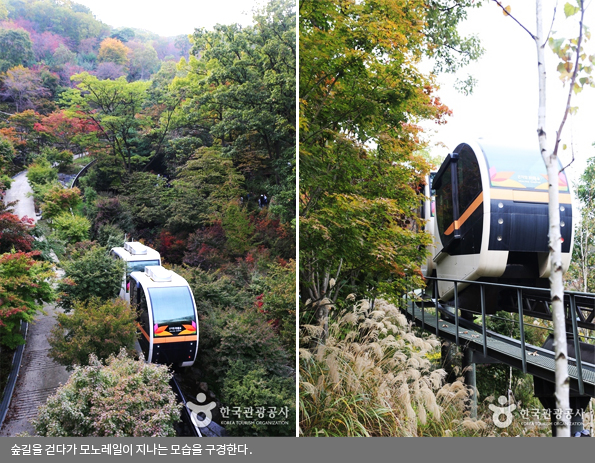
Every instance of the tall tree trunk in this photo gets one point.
(555, 243)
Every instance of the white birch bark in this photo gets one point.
(550, 159)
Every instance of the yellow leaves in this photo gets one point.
(506, 10)
(570, 10)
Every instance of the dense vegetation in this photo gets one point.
(188, 136)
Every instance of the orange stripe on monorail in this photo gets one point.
(527, 196)
(159, 340)
(470, 210)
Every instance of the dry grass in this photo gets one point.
(373, 377)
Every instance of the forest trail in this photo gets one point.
(39, 376)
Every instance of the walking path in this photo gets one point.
(39, 376)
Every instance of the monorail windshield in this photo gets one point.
(172, 305)
(139, 265)
(518, 168)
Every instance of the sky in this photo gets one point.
(172, 17)
(505, 101)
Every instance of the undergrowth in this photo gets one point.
(373, 376)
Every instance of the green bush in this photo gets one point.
(248, 337)
(247, 386)
(123, 398)
(62, 158)
(71, 228)
(41, 172)
(110, 236)
(92, 273)
(278, 302)
(95, 327)
(214, 290)
(58, 200)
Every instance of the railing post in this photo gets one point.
(483, 319)
(423, 309)
(519, 293)
(436, 305)
(577, 350)
(457, 312)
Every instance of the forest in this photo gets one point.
(184, 138)
(369, 96)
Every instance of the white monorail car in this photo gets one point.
(137, 256)
(167, 316)
(491, 219)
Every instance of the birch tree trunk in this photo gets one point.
(550, 159)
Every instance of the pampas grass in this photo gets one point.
(373, 377)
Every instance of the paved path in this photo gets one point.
(19, 191)
(39, 376)
(38, 379)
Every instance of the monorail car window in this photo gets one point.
(139, 265)
(139, 302)
(469, 178)
(444, 202)
(171, 305)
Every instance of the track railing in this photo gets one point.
(575, 304)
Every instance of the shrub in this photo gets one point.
(61, 158)
(94, 327)
(123, 398)
(110, 236)
(25, 283)
(41, 172)
(15, 233)
(215, 289)
(111, 210)
(247, 337)
(239, 232)
(250, 387)
(278, 301)
(92, 273)
(59, 200)
(71, 228)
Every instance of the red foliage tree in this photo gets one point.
(15, 233)
(65, 131)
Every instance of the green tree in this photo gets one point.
(114, 106)
(143, 61)
(93, 273)
(7, 153)
(278, 301)
(41, 173)
(70, 228)
(244, 84)
(579, 274)
(25, 284)
(246, 385)
(124, 397)
(204, 186)
(16, 48)
(59, 200)
(360, 95)
(239, 232)
(94, 327)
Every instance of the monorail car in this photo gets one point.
(167, 316)
(137, 256)
(491, 220)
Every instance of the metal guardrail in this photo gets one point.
(574, 311)
(82, 172)
(14, 374)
